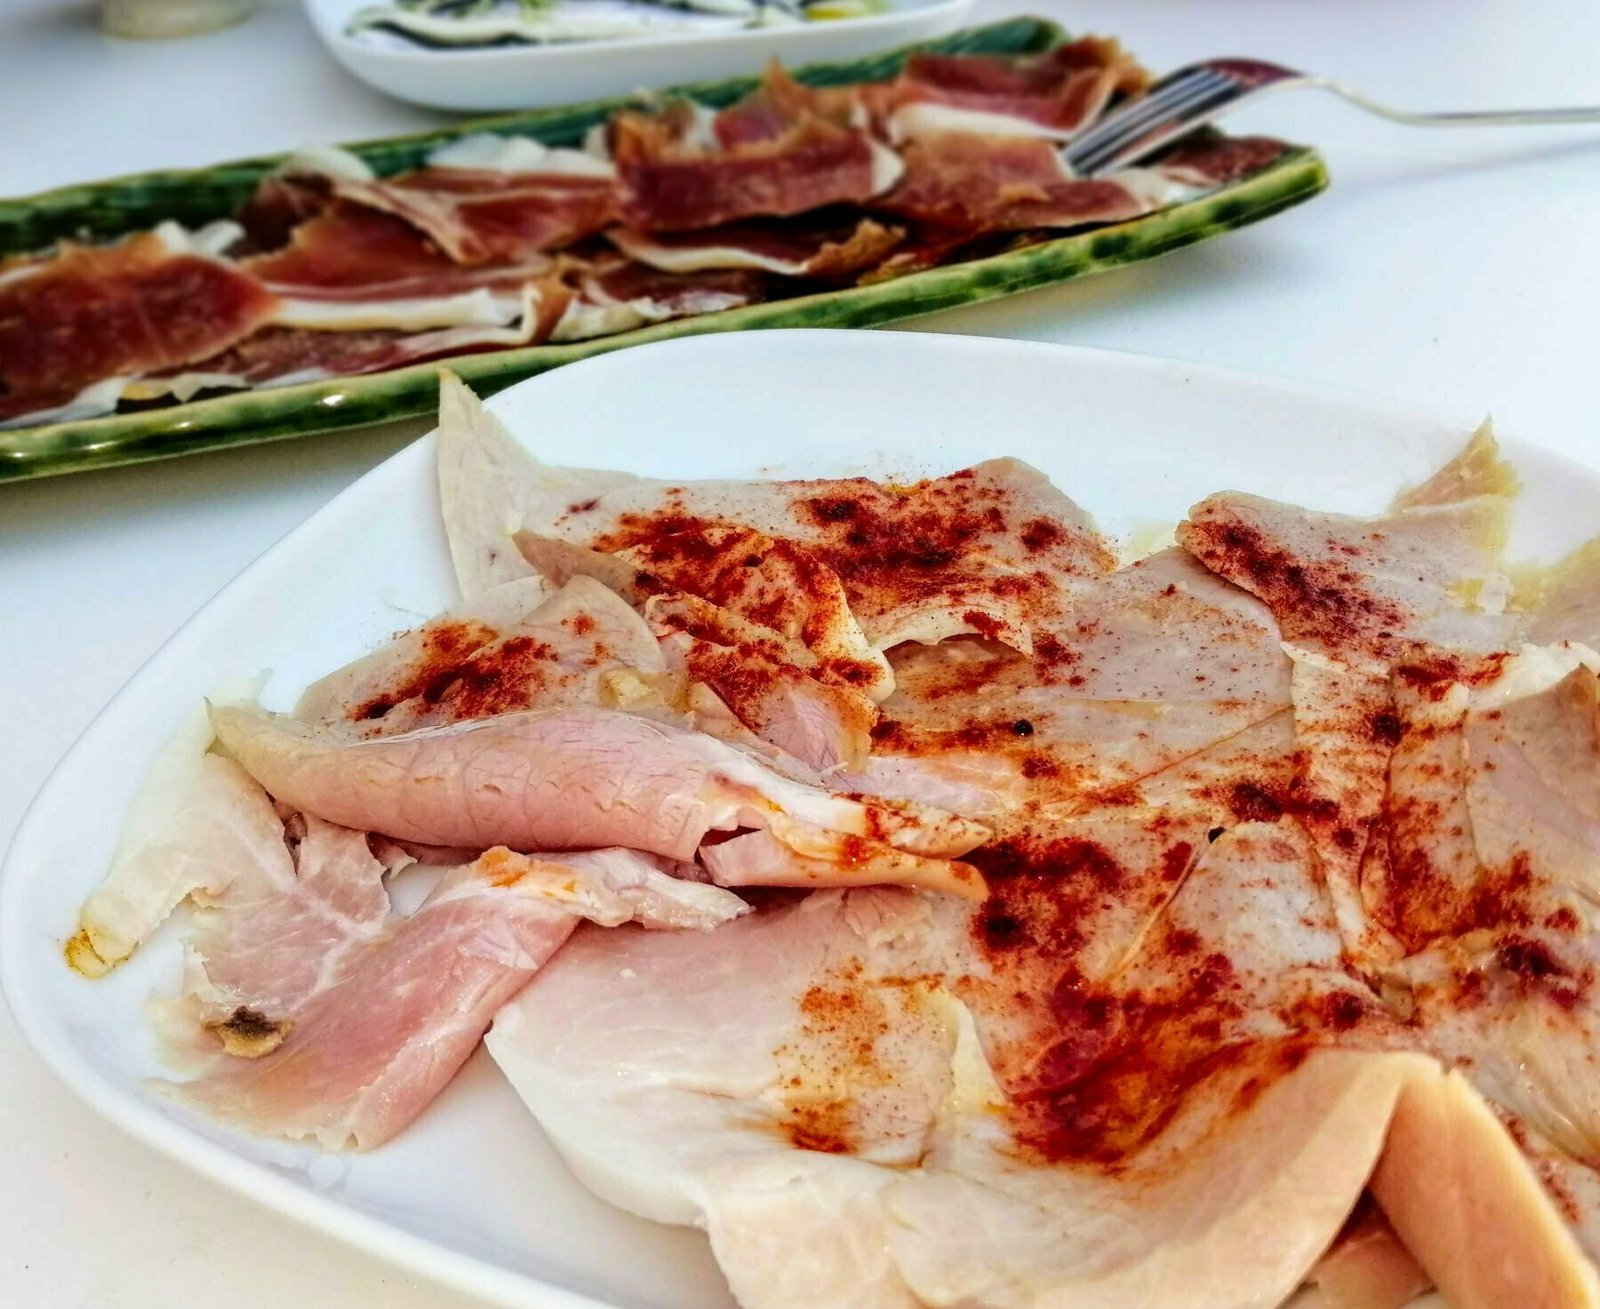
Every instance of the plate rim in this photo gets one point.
(440, 1263)
(318, 13)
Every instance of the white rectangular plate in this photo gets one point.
(472, 1194)
(534, 77)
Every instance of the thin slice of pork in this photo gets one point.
(993, 550)
(459, 630)
(1351, 595)
(1367, 1268)
(843, 1093)
(311, 1011)
(1358, 591)
(484, 657)
(574, 778)
(1160, 662)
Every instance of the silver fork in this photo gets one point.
(1199, 93)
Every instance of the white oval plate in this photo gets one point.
(536, 77)
(472, 1194)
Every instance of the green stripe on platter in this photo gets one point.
(268, 415)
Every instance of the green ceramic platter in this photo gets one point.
(193, 197)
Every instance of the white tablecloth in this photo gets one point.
(1454, 271)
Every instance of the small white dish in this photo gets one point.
(472, 1194)
(535, 77)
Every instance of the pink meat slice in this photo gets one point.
(854, 1098)
(312, 1011)
(574, 778)
(1160, 662)
(994, 550)
(514, 647)
(1368, 1267)
(1351, 596)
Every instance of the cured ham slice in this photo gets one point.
(1209, 161)
(349, 251)
(97, 312)
(672, 183)
(620, 294)
(993, 550)
(490, 217)
(973, 184)
(1055, 94)
(826, 250)
(572, 779)
(483, 199)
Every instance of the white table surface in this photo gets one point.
(1452, 271)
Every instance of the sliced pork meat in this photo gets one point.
(1367, 1268)
(484, 657)
(90, 314)
(571, 779)
(1350, 596)
(852, 1076)
(349, 1024)
(460, 629)
(1358, 590)
(1160, 662)
(993, 550)
(309, 1008)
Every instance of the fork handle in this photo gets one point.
(1469, 118)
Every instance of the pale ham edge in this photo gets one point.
(1367, 1268)
(1465, 1202)
(490, 152)
(546, 780)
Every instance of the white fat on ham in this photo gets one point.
(327, 161)
(102, 397)
(793, 257)
(479, 307)
(920, 118)
(597, 312)
(489, 152)
(213, 241)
